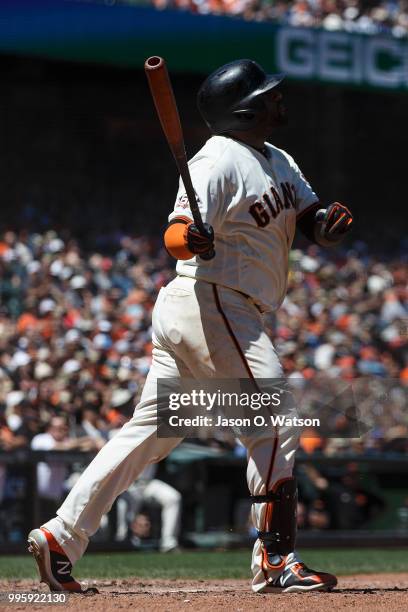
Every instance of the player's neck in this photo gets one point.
(253, 140)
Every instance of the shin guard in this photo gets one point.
(279, 533)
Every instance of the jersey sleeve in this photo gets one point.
(305, 196)
(212, 191)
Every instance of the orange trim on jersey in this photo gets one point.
(175, 239)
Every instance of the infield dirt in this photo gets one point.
(371, 592)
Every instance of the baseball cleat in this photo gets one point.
(298, 578)
(53, 564)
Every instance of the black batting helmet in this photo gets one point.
(230, 98)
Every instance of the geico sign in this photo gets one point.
(342, 57)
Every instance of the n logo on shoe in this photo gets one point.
(65, 567)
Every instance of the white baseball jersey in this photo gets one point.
(252, 201)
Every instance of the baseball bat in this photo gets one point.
(166, 107)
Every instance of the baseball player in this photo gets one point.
(208, 323)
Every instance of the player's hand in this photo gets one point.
(200, 243)
(333, 223)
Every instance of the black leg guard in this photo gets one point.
(279, 534)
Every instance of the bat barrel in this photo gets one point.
(165, 103)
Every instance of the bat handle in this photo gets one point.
(191, 195)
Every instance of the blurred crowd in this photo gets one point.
(75, 348)
(75, 335)
(74, 332)
(342, 334)
(374, 17)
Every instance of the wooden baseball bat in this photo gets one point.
(166, 107)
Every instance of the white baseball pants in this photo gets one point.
(200, 331)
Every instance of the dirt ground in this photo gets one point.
(382, 592)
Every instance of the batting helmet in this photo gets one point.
(230, 98)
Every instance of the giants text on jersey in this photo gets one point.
(252, 201)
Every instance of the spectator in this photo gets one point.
(51, 475)
(145, 489)
(380, 17)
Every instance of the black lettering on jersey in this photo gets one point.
(259, 214)
(288, 195)
(279, 203)
(268, 202)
